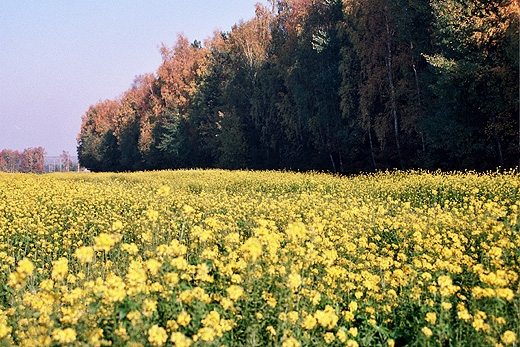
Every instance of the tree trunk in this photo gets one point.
(371, 148)
(418, 91)
(393, 96)
(499, 143)
(332, 161)
(500, 154)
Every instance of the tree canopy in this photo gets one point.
(334, 85)
(30, 160)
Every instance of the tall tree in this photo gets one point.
(32, 160)
(384, 38)
(315, 81)
(285, 128)
(178, 78)
(65, 160)
(132, 123)
(246, 49)
(9, 160)
(3, 162)
(476, 65)
(97, 145)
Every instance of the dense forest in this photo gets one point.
(342, 86)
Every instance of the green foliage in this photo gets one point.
(475, 86)
(331, 85)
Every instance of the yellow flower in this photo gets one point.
(342, 335)
(500, 320)
(203, 273)
(291, 342)
(234, 292)
(349, 316)
(294, 281)
(370, 310)
(117, 225)
(152, 215)
(309, 322)
(463, 313)
(104, 242)
(353, 331)
(163, 190)
(121, 332)
(25, 267)
(236, 278)
(134, 317)
(479, 321)
(211, 320)
(427, 331)
(446, 285)
(64, 336)
(329, 337)
(157, 336)
(70, 315)
(95, 337)
(353, 306)
(226, 303)
(183, 318)
(225, 325)
(206, 334)
(431, 317)
(426, 276)
(269, 299)
(505, 293)
(187, 209)
(252, 249)
(508, 337)
(180, 340)
(446, 305)
(316, 297)
(352, 343)
(16, 280)
(296, 232)
(149, 307)
(153, 265)
(271, 330)
(327, 317)
(131, 248)
(84, 254)
(293, 317)
(136, 277)
(180, 263)
(172, 325)
(60, 268)
(5, 329)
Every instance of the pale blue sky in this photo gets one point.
(59, 57)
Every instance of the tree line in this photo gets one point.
(30, 160)
(33, 160)
(328, 85)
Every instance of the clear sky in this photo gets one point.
(58, 57)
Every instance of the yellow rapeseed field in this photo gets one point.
(237, 258)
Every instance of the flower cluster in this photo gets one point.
(266, 258)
